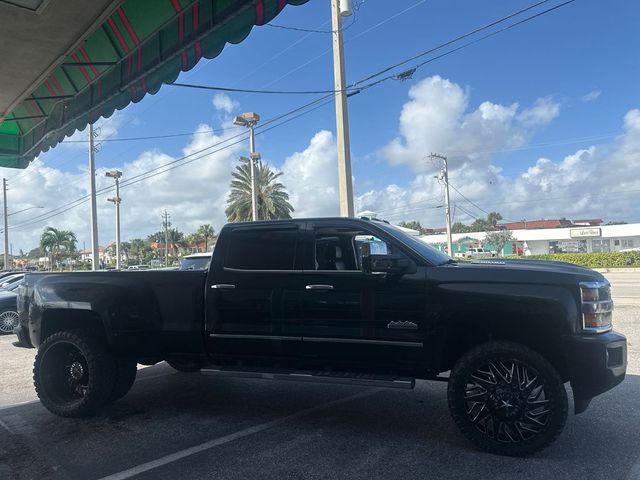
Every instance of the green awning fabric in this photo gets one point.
(144, 44)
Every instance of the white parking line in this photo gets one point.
(173, 457)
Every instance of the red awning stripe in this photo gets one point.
(260, 12)
(196, 23)
(127, 25)
(87, 77)
(116, 32)
(88, 59)
(54, 82)
(48, 87)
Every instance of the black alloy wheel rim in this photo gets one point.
(507, 401)
(67, 376)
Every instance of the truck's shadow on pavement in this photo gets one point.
(382, 434)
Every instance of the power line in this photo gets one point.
(177, 162)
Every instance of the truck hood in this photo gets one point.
(515, 271)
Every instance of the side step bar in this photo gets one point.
(343, 378)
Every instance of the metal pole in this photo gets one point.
(6, 225)
(447, 205)
(95, 254)
(166, 238)
(254, 187)
(342, 116)
(117, 223)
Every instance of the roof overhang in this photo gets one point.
(67, 63)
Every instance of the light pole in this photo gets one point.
(6, 223)
(95, 254)
(249, 120)
(116, 174)
(339, 9)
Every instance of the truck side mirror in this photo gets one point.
(391, 264)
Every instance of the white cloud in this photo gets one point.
(543, 111)
(311, 178)
(591, 96)
(224, 103)
(193, 194)
(436, 119)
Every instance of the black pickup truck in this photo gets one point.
(338, 300)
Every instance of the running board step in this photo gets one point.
(344, 378)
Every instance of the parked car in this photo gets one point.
(8, 311)
(196, 261)
(307, 300)
(478, 252)
(138, 267)
(11, 279)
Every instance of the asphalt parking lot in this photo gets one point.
(176, 425)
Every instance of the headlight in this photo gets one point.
(597, 306)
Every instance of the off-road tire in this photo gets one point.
(523, 411)
(55, 379)
(125, 374)
(185, 366)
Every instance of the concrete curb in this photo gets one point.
(617, 269)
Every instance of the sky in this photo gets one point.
(539, 121)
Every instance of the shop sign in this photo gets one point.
(585, 232)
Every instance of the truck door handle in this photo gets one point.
(319, 287)
(223, 286)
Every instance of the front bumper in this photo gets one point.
(597, 363)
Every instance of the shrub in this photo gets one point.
(594, 260)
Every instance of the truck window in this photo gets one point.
(261, 249)
(341, 249)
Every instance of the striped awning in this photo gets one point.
(142, 45)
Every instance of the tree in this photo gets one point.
(413, 225)
(57, 244)
(206, 232)
(272, 198)
(459, 227)
(499, 239)
(173, 236)
(140, 250)
(493, 218)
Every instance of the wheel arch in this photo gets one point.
(61, 319)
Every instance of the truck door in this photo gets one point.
(252, 297)
(355, 317)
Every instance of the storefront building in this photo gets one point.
(587, 239)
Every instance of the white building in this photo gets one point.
(605, 238)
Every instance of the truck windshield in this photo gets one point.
(434, 256)
(198, 263)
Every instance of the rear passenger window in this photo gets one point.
(261, 249)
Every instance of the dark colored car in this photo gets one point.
(339, 300)
(8, 311)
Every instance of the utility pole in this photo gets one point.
(95, 254)
(166, 224)
(6, 225)
(340, 8)
(116, 174)
(447, 205)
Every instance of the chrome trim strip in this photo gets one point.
(223, 286)
(594, 285)
(254, 337)
(397, 343)
(319, 287)
(603, 329)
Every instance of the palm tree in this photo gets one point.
(206, 232)
(273, 200)
(57, 244)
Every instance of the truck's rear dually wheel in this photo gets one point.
(507, 399)
(73, 373)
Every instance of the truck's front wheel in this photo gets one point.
(73, 373)
(507, 399)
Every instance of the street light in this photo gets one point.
(249, 120)
(116, 174)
